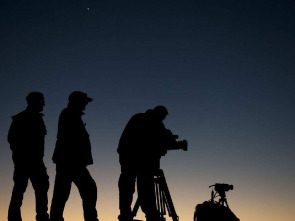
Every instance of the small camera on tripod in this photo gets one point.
(222, 187)
(213, 209)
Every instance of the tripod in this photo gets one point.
(163, 198)
(220, 188)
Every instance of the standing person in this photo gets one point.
(140, 148)
(26, 138)
(72, 155)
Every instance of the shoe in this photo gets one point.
(125, 217)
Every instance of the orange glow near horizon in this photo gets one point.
(253, 206)
(108, 211)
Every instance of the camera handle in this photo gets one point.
(163, 198)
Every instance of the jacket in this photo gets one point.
(142, 141)
(26, 136)
(73, 144)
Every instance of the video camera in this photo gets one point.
(222, 187)
(172, 143)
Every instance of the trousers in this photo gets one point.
(37, 174)
(81, 177)
(144, 177)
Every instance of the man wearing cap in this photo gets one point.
(140, 149)
(72, 155)
(26, 138)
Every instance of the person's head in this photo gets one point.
(35, 101)
(160, 112)
(79, 100)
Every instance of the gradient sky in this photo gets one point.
(224, 69)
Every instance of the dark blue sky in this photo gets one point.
(224, 69)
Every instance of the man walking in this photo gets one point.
(72, 155)
(26, 138)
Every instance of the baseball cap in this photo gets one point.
(79, 95)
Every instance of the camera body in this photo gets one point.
(179, 145)
(222, 187)
(171, 142)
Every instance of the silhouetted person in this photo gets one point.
(72, 155)
(140, 149)
(26, 138)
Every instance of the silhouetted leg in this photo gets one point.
(146, 195)
(88, 191)
(61, 192)
(40, 182)
(126, 186)
(20, 178)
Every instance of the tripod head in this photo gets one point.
(220, 189)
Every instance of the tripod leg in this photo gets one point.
(167, 197)
(225, 200)
(158, 196)
(135, 208)
(159, 199)
(162, 197)
(163, 208)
